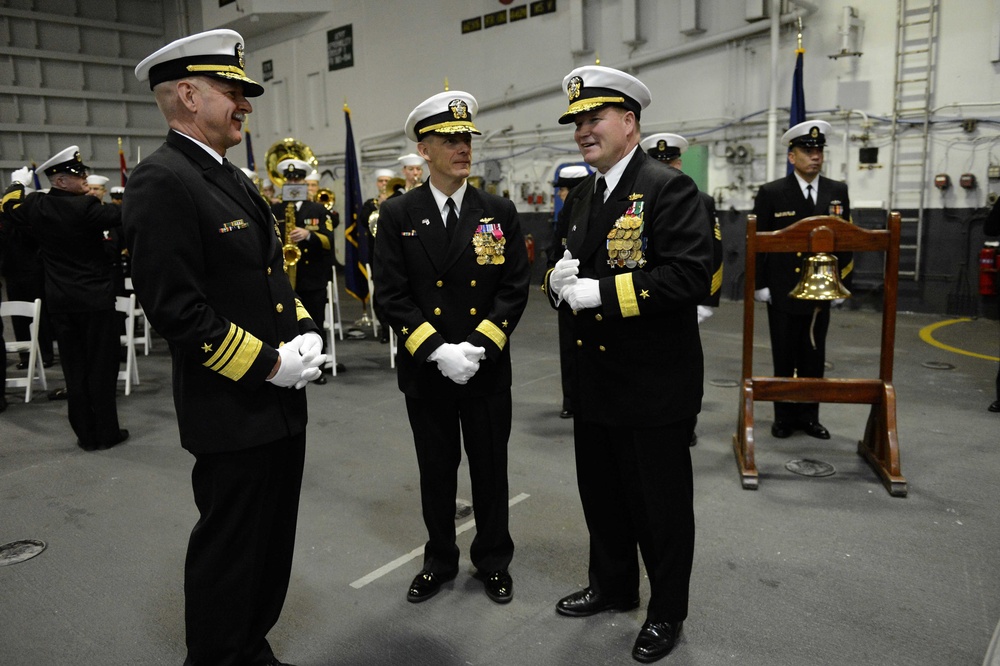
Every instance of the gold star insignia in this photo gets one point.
(504, 323)
(644, 293)
(405, 331)
(207, 348)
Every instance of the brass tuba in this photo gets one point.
(282, 150)
(326, 197)
(392, 187)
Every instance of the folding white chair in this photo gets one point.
(376, 324)
(146, 339)
(130, 375)
(392, 348)
(335, 305)
(328, 326)
(36, 371)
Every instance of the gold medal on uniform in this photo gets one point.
(626, 244)
(488, 243)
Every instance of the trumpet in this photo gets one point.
(326, 197)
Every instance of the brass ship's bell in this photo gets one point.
(820, 280)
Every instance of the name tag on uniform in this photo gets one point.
(233, 226)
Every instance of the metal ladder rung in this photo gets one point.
(919, 79)
(910, 24)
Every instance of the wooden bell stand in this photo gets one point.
(880, 446)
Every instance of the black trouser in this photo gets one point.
(798, 349)
(88, 352)
(484, 424)
(567, 357)
(239, 556)
(636, 488)
(314, 301)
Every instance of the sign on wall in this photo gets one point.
(268, 67)
(505, 16)
(340, 47)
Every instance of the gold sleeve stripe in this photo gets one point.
(545, 281)
(490, 330)
(12, 195)
(627, 301)
(324, 241)
(846, 270)
(300, 311)
(718, 231)
(419, 336)
(238, 352)
(716, 281)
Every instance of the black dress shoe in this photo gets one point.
(425, 586)
(566, 414)
(58, 394)
(694, 439)
(816, 430)
(587, 602)
(123, 434)
(22, 365)
(321, 380)
(656, 640)
(341, 368)
(781, 430)
(994, 406)
(49, 363)
(499, 586)
(3, 403)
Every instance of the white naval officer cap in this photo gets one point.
(117, 192)
(293, 168)
(448, 112)
(664, 146)
(571, 175)
(97, 180)
(384, 173)
(250, 173)
(593, 86)
(808, 134)
(411, 159)
(66, 160)
(215, 53)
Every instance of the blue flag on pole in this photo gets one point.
(355, 273)
(251, 164)
(797, 112)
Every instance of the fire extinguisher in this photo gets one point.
(529, 246)
(988, 270)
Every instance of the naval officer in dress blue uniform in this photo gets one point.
(451, 277)
(798, 328)
(207, 267)
(637, 263)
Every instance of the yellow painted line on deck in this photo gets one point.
(927, 335)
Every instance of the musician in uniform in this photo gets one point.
(312, 233)
(67, 224)
(116, 193)
(207, 266)
(798, 328)
(637, 263)
(668, 148)
(413, 170)
(97, 186)
(382, 178)
(451, 275)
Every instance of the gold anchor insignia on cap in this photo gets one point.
(814, 132)
(76, 156)
(661, 145)
(573, 87)
(459, 109)
(239, 56)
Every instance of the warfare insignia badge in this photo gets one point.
(459, 109)
(239, 56)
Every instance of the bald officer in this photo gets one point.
(798, 328)
(207, 267)
(637, 263)
(451, 275)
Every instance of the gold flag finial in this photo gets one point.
(446, 83)
(597, 58)
(119, 144)
(799, 49)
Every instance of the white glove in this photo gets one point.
(837, 302)
(762, 295)
(292, 371)
(704, 312)
(312, 346)
(473, 353)
(23, 176)
(453, 364)
(586, 293)
(564, 274)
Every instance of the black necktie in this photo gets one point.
(809, 196)
(598, 200)
(452, 222)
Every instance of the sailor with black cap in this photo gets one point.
(207, 268)
(451, 275)
(413, 169)
(798, 328)
(79, 290)
(637, 263)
